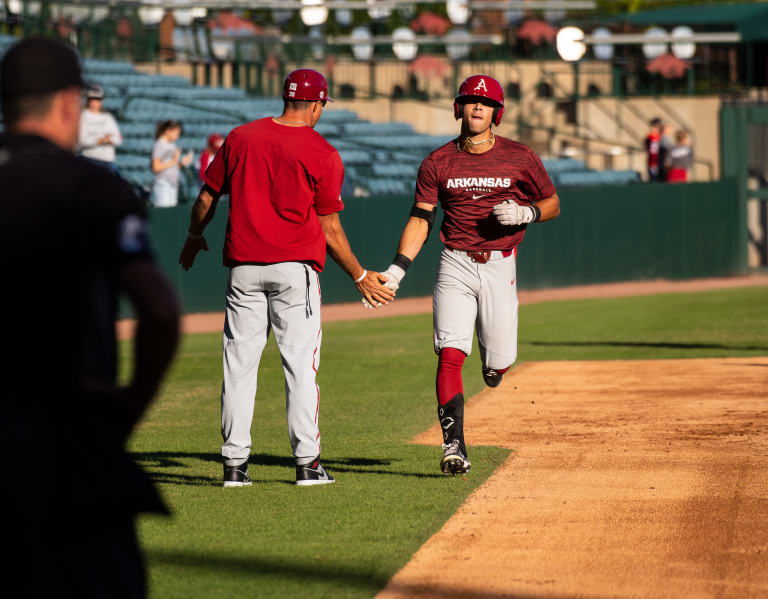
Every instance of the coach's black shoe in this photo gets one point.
(455, 460)
(313, 474)
(491, 377)
(237, 476)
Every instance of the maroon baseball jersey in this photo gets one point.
(468, 186)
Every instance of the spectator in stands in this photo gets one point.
(652, 141)
(99, 133)
(680, 158)
(167, 162)
(665, 145)
(215, 141)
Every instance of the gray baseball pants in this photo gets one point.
(470, 296)
(284, 297)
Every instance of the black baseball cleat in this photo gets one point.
(313, 474)
(491, 377)
(237, 476)
(455, 460)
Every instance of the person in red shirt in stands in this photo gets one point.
(284, 182)
(215, 141)
(652, 142)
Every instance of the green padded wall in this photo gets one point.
(605, 233)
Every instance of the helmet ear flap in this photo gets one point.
(497, 113)
(456, 110)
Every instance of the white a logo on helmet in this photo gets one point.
(481, 85)
(292, 86)
(322, 93)
(291, 94)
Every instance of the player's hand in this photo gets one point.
(190, 250)
(392, 283)
(511, 214)
(374, 290)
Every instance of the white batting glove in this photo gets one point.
(394, 275)
(512, 214)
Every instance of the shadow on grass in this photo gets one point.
(325, 574)
(659, 345)
(158, 463)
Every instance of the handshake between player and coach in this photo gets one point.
(490, 188)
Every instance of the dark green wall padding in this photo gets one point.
(604, 234)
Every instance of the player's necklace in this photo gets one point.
(279, 120)
(468, 143)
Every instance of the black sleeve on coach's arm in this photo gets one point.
(215, 194)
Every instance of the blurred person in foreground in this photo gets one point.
(99, 133)
(167, 163)
(75, 238)
(680, 158)
(215, 141)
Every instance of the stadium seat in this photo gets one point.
(382, 158)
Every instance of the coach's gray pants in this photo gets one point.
(470, 296)
(283, 297)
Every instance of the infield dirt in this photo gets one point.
(628, 479)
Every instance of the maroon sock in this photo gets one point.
(449, 374)
(501, 370)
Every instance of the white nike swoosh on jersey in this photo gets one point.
(474, 197)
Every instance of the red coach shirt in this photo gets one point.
(279, 180)
(468, 186)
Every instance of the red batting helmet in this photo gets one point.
(480, 86)
(306, 84)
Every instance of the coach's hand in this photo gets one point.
(511, 214)
(190, 250)
(374, 289)
(393, 283)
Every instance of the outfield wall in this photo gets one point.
(604, 234)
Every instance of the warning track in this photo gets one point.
(212, 322)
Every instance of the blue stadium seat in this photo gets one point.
(373, 153)
(555, 166)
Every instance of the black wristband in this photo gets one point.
(402, 261)
(536, 213)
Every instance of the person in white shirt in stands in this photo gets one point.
(167, 163)
(99, 133)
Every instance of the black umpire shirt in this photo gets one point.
(67, 228)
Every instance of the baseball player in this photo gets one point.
(490, 189)
(284, 182)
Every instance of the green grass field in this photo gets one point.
(377, 382)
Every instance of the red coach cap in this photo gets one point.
(306, 84)
(480, 86)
